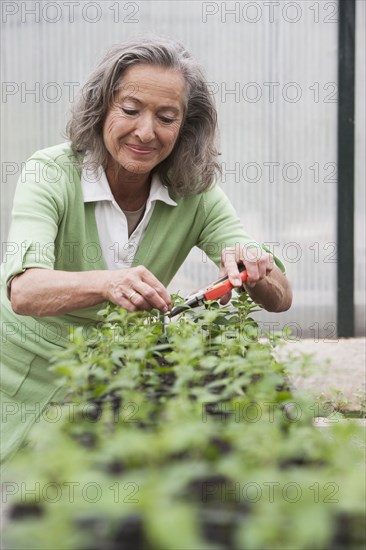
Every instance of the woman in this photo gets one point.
(112, 214)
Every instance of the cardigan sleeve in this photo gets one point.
(36, 213)
(222, 228)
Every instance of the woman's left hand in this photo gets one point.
(266, 284)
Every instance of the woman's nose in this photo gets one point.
(145, 128)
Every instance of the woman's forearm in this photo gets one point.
(45, 292)
(42, 292)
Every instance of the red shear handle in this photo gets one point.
(222, 288)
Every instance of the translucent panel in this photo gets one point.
(272, 68)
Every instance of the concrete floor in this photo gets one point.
(336, 370)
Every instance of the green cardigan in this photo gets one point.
(53, 228)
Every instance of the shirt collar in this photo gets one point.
(95, 187)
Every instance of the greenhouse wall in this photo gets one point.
(272, 68)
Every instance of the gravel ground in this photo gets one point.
(335, 366)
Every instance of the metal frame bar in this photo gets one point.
(345, 159)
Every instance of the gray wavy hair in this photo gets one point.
(192, 165)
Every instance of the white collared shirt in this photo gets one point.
(117, 247)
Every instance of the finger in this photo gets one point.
(259, 270)
(262, 269)
(164, 300)
(120, 300)
(148, 296)
(124, 298)
(270, 264)
(230, 267)
(139, 302)
(226, 298)
(253, 273)
(265, 265)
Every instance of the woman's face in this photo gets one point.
(142, 125)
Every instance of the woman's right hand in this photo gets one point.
(135, 289)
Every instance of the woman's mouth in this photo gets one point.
(139, 149)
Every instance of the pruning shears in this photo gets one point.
(215, 290)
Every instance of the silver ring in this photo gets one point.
(132, 294)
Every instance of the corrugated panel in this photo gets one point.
(273, 70)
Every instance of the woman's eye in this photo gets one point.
(167, 120)
(129, 111)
